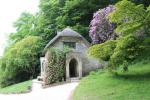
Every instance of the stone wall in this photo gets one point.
(89, 64)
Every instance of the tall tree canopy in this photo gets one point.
(55, 15)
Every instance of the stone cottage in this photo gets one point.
(77, 62)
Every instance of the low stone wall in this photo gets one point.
(90, 64)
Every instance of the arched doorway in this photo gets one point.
(73, 68)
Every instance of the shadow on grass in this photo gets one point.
(133, 76)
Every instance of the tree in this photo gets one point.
(25, 26)
(131, 18)
(46, 18)
(55, 15)
(21, 61)
(133, 23)
(78, 13)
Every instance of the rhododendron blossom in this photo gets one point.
(100, 27)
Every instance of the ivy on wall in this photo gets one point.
(55, 71)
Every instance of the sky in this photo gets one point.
(10, 10)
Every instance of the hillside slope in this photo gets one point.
(131, 85)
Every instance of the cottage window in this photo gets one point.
(70, 44)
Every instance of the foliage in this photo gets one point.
(103, 51)
(55, 15)
(22, 87)
(131, 18)
(21, 61)
(101, 29)
(133, 34)
(125, 86)
(144, 2)
(127, 49)
(133, 25)
(55, 71)
(25, 26)
(46, 18)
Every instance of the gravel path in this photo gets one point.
(61, 92)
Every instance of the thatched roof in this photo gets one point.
(67, 32)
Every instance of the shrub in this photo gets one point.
(55, 71)
(127, 49)
(103, 51)
(101, 29)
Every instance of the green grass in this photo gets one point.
(17, 88)
(131, 85)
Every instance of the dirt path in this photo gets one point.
(61, 92)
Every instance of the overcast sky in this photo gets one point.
(10, 10)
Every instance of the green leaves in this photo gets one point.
(57, 14)
(103, 51)
(25, 26)
(55, 71)
(128, 16)
(127, 49)
(22, 57)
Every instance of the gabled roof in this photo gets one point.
(66, 32)
(69, 32)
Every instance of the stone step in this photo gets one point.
(75, 79)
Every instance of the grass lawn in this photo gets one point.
(17, 88)
(131, 85)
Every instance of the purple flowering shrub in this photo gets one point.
(101, 29)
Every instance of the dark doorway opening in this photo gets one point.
(73, 68)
